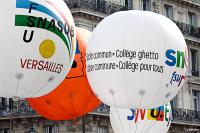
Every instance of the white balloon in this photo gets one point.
(37, 46)
(135, 59)
(141, 121)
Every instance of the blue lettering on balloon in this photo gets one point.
(132, 116)
(172, 60)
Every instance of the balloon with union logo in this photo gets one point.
(37, 46)
(136, 59)
(156, 120)
(73, 97)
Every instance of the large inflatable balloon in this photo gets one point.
(37, 46)
(136, 59)
(156, 120)
(74, 97)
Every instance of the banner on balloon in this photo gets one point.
(141, 120)
(131, 64)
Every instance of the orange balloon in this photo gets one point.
(73, 97)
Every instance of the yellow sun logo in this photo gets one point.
(47, 48)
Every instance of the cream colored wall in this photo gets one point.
(177, 7)
(84, 23)
(184, 100)
(136, 5)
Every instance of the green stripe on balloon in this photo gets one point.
(22, 20)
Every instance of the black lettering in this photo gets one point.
(31, 21)
(161, 69)
(32, 6)
(25, 36)
(60, 26)
(41, 22)
(52, 25)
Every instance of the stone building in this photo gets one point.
(17, 117)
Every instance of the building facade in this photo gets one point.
(18, 117)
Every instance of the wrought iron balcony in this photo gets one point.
(186, 116)
(102, 6)
(188, 29)
(192, 1)
(22, 109)
(178, 115)
(102, 109)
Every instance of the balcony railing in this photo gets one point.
(186, 116)
(102, 6)
(102, 109)
(178, 115)
(22, 109)
(193, 1)
(188, 29)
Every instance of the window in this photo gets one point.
(196, 100)
(100, 5)
(102, 129)
(146, 5)
(5, 130)
(194, 62)
(126, 2)
(51, 129)
(129, 4)
(7, 103)
(192, 18)
(168, 11)
(174, 102)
